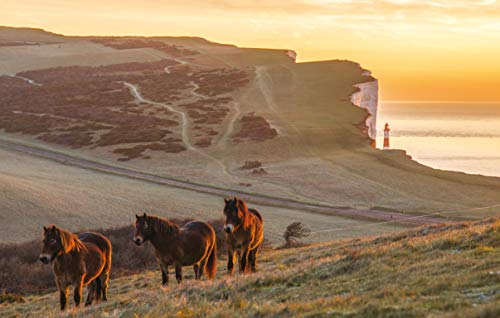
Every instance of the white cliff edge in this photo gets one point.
(292, 54)
(367, 97)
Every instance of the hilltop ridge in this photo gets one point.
(22, 34)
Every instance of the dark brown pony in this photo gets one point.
(78, 261)
(194, 244)
(244, 229)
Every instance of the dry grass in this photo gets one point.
(122, 44)
(305, 128)
(36, 192)
(434, 271)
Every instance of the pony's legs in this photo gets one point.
(231, 257)
(253, 258)
(91, 290)
(196, 268)
(98, 289)
(77, 293)
(244, 261)
(202, 265)
(164, 273)
(102, 286)
(63, 293)
(63, 296)
(178, 273)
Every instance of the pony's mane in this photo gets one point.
(164, 226)
(69, 241)
(241, 205)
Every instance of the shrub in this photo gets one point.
(11, 298)
(251, 165)
(255, 128)
(294, 232)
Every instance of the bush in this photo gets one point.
(294, 232)
(11, 298)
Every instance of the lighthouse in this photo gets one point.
(386, 136)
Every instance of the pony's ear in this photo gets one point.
(226, 200)
(235, 200)
(44, 229)
(136, 216)
(145, 215)
(53, 229)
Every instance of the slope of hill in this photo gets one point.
(199, 111)
(445, 270)
(27, 36)
(35, 192)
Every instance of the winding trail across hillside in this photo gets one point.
(396, 217)
(134, 90)
(264, 82)
(230, 127)
(27, 80)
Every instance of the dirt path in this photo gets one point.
(260, 199)
(29, 81)
(195, 88)
(134, 90)
(230, 127)
(264, 83)
(168, 68)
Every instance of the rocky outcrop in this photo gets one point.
(367, 97)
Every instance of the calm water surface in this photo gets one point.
(452, 136)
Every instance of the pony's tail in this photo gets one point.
(212, 262)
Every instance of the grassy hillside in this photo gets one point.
(447, 270)
(203, 110)
(36, 192)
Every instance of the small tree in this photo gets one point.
(294, 232)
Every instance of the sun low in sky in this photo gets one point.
(418, 49)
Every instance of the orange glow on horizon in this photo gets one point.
(418, 49)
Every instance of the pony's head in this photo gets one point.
(144, 225)
(55, 242)
(236, 213)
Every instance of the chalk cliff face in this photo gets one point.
(292, 55)
(367, 97)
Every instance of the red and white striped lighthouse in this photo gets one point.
(386, 136)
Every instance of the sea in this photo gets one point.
(459, 136)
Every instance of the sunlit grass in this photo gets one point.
(436, 270)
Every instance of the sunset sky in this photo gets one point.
(418, 49)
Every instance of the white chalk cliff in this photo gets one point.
(367, 97)
(292, 55)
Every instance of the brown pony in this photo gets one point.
(245, 233)
(79, 261)
(194, 244)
